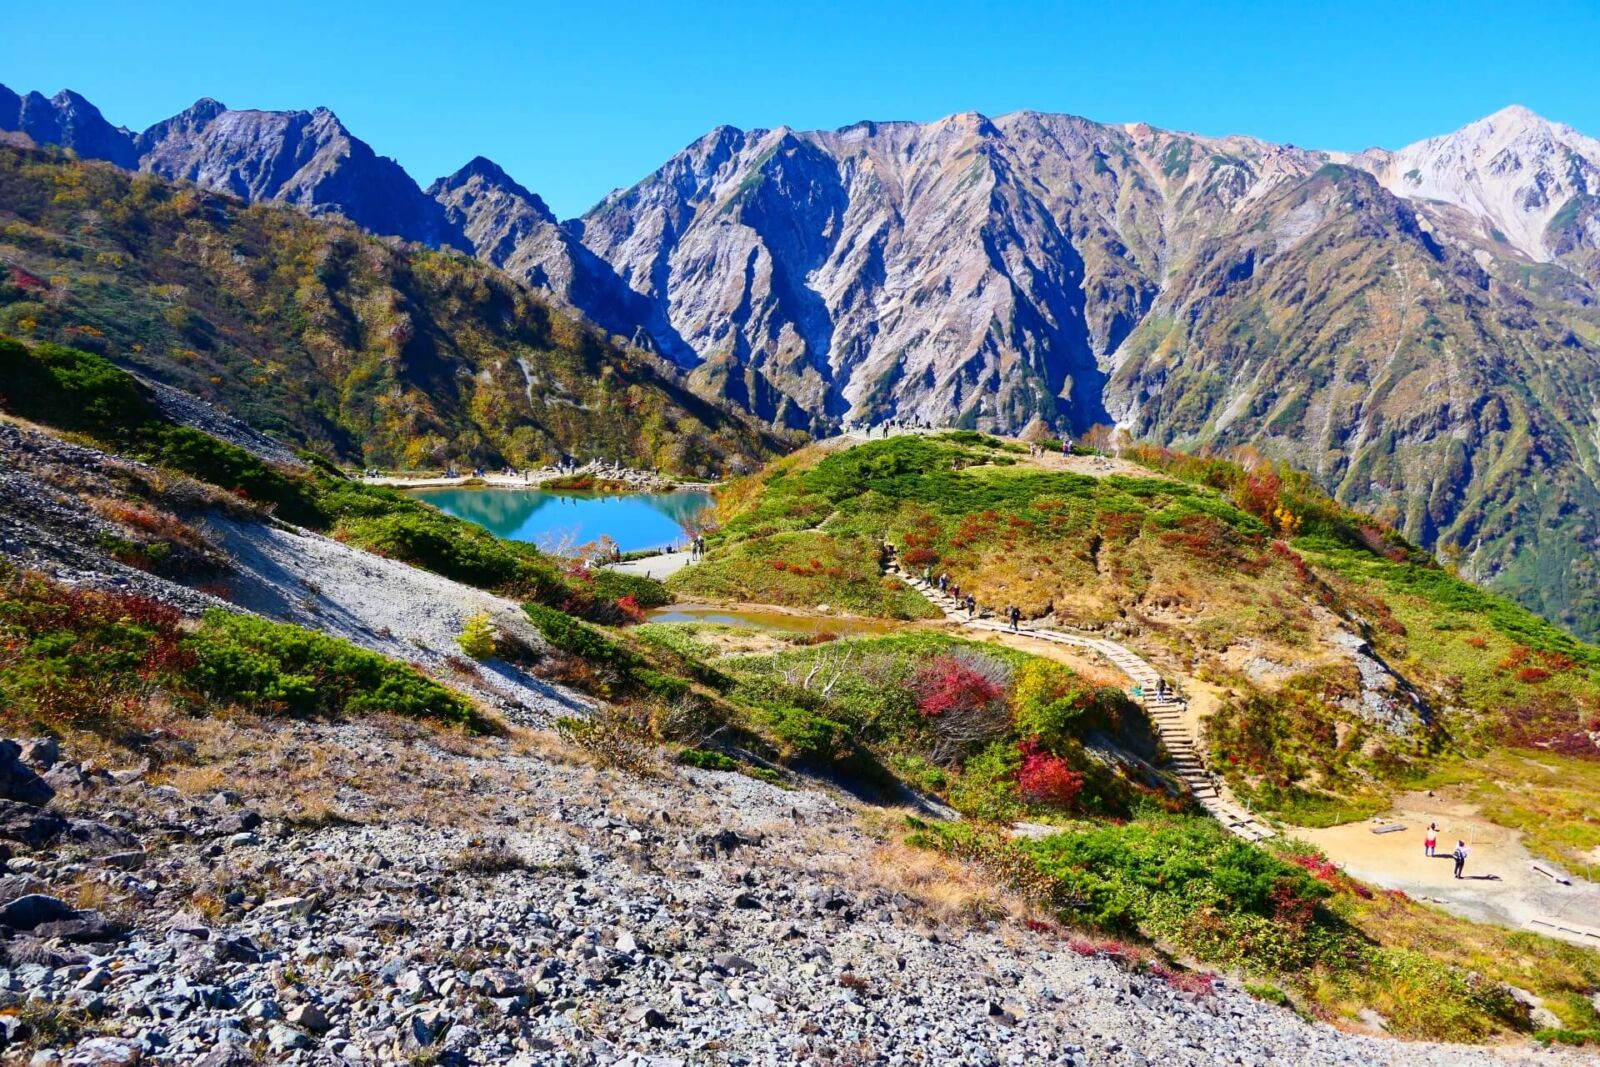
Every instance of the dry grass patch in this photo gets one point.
(951, 891)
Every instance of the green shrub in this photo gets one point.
(706, 760)
(806, 736)
(1267, 992)
(259, 663)
(578, 639)
(987, 786)
(607, 584)
(477, 638)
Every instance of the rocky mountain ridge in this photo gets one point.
(1419, 327)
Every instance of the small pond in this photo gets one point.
(635, 521)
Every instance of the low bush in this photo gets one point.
(607, 584)
(260, 663)
(89, 659)
(577, 638)
(706, 760)
(477, 638)
(614, 736)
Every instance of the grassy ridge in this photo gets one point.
(1213, 563)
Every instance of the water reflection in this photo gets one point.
(634, 521)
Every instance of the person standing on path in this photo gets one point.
(1460, 855)
(1430, 839)
(972, 606)
(1015, 615)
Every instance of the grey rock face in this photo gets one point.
(70, 121)
(970, 270)
(512, 228)
(305, 158)
(17, 780)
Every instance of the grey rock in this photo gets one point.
(282, 1038)
(309, 1017)
(27, 912)
(34, 827)
(41, 753)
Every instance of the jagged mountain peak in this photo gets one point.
(69, 120)
(490, 207)
(1514, 170)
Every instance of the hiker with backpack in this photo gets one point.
(1460, 856)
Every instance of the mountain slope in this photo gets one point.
(69, 120)
(328, 337)
(1337, 329)
(1513, 171)
(995, 273)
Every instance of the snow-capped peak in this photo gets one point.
(1513, 169)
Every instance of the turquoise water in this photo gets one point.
(634, 521)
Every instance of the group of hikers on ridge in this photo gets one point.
(1430, 847)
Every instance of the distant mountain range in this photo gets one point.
(1418, 328)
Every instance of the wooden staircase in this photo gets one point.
(1166, 713)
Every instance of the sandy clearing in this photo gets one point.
(659, 567)
(1500, 885)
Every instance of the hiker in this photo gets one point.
(927, 575)
(1161, 688)
(1066, 446)
(1460, 855)
(1430, 840)
(972, 605)
(944, 581)
(1014, 613)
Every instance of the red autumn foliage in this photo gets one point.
(1258, 493)
(948, 684)
(919, 557)
(1533, 675)
(1516, 657)
(1047, 779)
(1197, 983)
(629, 606)
(1290, 908)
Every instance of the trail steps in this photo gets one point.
(1165, 712)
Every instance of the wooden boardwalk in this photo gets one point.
(1165, 713)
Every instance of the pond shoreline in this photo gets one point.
(547, 479)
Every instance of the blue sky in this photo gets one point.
(577, 99)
